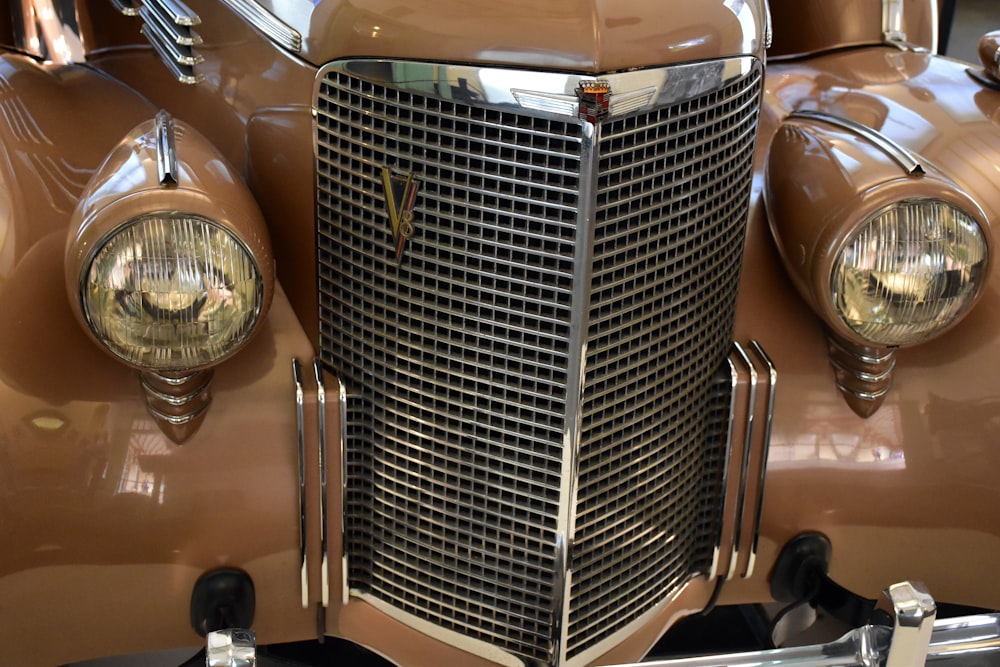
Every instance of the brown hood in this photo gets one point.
(575, 35)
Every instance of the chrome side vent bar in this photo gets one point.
(169, 27)
(126, 7)
(753, 380)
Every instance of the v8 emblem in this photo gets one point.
(400, 198)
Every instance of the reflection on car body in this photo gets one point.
(492, 333)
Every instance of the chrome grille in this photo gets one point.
(537, 237)
(672, 200)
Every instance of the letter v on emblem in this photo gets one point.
(400, 198)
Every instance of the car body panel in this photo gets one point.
(893, 490)
(112, 524)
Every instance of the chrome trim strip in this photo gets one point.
(550, 92)
(324, 544)
(869, 378)
(125, 9)
(913, 612)
(269, 24)
(975, 639)
(300, 433)
(768, 24)
(765, 452)
(864, 395)
(178, 420)
(965, 637)
(170, 399)
(166, 151)
(176, 11)
(892, 21)
(179, 380)
(745, 465)
(935, 26)
(866, 358)
(170, 49)
(176, 34)
(183, 74)
(905, 158)
(893, 34)
(345, 590)
(713, 571)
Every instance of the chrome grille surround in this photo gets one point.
(483, 497)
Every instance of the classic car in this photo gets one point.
(494, 333)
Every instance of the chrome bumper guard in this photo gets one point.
(916, 638)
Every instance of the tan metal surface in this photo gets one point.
(906, 492)
(587, 35)
(810, 26)
(108, 549)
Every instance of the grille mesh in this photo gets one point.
(672, 197)
(458, 356)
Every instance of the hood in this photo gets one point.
(592, 36)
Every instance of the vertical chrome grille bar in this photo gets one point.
(575, 387)
(747, 449)
(301, 452)
(772, 386)
(323, 535)
(732, 380)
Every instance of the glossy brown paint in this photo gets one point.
(906, 493)
(569, 35)
(804, 27)
(913, 480)
(47, 163)
(105, 523)
(108, 524)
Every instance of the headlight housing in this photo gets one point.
(908, 272)
(169, 265)
(171, 291)
(887, 250)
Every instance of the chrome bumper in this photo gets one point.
(916, 638)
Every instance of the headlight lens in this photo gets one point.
(910, 271)
(172, 292)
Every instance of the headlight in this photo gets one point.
(171, 292)
(908, 272)
(887, 250)
(168, 264)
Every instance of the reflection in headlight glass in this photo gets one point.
(909, 272)
(172, 292)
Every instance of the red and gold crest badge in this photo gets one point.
(595, 99)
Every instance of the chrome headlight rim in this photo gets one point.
(954, 201)
(261, 296)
